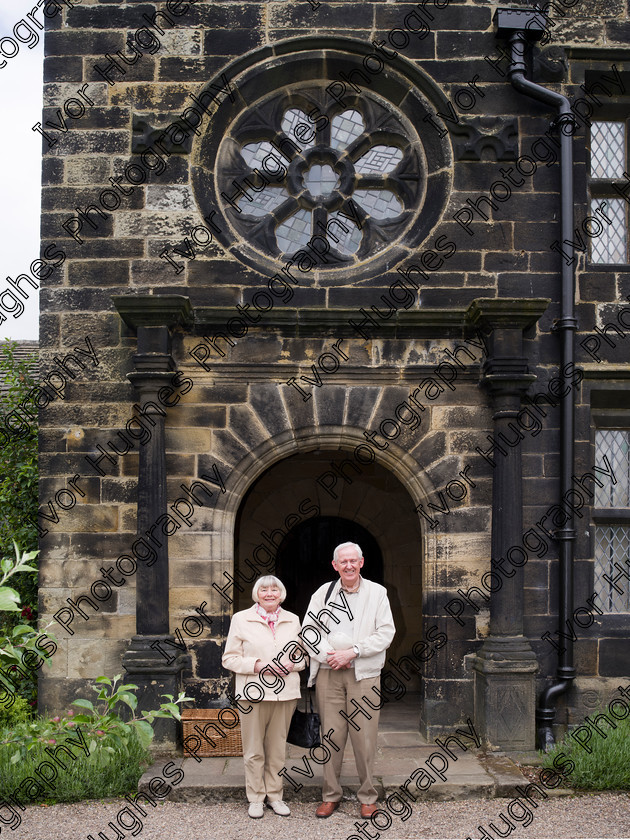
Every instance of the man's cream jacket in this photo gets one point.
(373, 634)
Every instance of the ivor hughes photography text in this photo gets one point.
(315, 478)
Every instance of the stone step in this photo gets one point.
(473, 775)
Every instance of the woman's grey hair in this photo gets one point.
(269, 580)
(356, 546)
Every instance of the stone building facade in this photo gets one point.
(311, 253)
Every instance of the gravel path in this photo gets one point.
(598, 815)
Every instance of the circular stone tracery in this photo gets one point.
(280, 167)
(359, 168)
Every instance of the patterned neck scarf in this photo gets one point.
(270, 617)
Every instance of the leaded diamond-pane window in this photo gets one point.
(614, 445)
(612, 539)
(608, 228)
(612, 549)
(608, 149)
(346, 128)
(297, 168)
(611, 244)
(335, 172)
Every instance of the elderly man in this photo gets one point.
(355, 620)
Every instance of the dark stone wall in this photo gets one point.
(239, 413)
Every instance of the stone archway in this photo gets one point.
(289, 494)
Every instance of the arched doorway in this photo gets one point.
(305, 554)
(285, 504)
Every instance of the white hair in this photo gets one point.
(269, 580)
(356, 547)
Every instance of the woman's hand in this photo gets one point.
(279, 670)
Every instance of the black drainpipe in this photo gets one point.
(520, 26)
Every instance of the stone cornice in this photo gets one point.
(176, 311)
(425, 322)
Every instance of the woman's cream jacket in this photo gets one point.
(250, 638)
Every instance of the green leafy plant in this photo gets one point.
(103, 773)
(107, 719)
(117, 747)
(18, 506)
(20, 643)
(18, 464)
(607, 767)
(10, 599)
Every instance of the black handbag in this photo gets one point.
(304, 728)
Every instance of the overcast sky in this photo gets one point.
(20, 153)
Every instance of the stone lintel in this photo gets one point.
(317, 321)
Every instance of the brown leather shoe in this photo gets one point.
(326, 809)
(368, 810)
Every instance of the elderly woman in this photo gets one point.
(263, 650)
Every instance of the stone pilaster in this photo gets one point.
(153, 317)
(505, 665)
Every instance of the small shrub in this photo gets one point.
(18, 467)
(19, 712)
(607, 767)
(112, 768)
(109, 754)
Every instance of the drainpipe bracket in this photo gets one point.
(564, 323)
(565, 534)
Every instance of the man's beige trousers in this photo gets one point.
(335, 691)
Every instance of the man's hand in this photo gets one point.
(338, 659)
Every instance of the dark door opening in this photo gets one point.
(303, 561)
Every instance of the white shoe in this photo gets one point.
(280, 808)
(255, 810)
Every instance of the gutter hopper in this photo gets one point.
(527, 22)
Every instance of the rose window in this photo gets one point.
(309, 181)
(295, 168)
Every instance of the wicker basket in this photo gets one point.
(217, 732)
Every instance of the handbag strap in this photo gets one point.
(309, 696)
(329, 592)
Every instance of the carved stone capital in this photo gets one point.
(168, 311)
(490, 314)
(505, 371)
